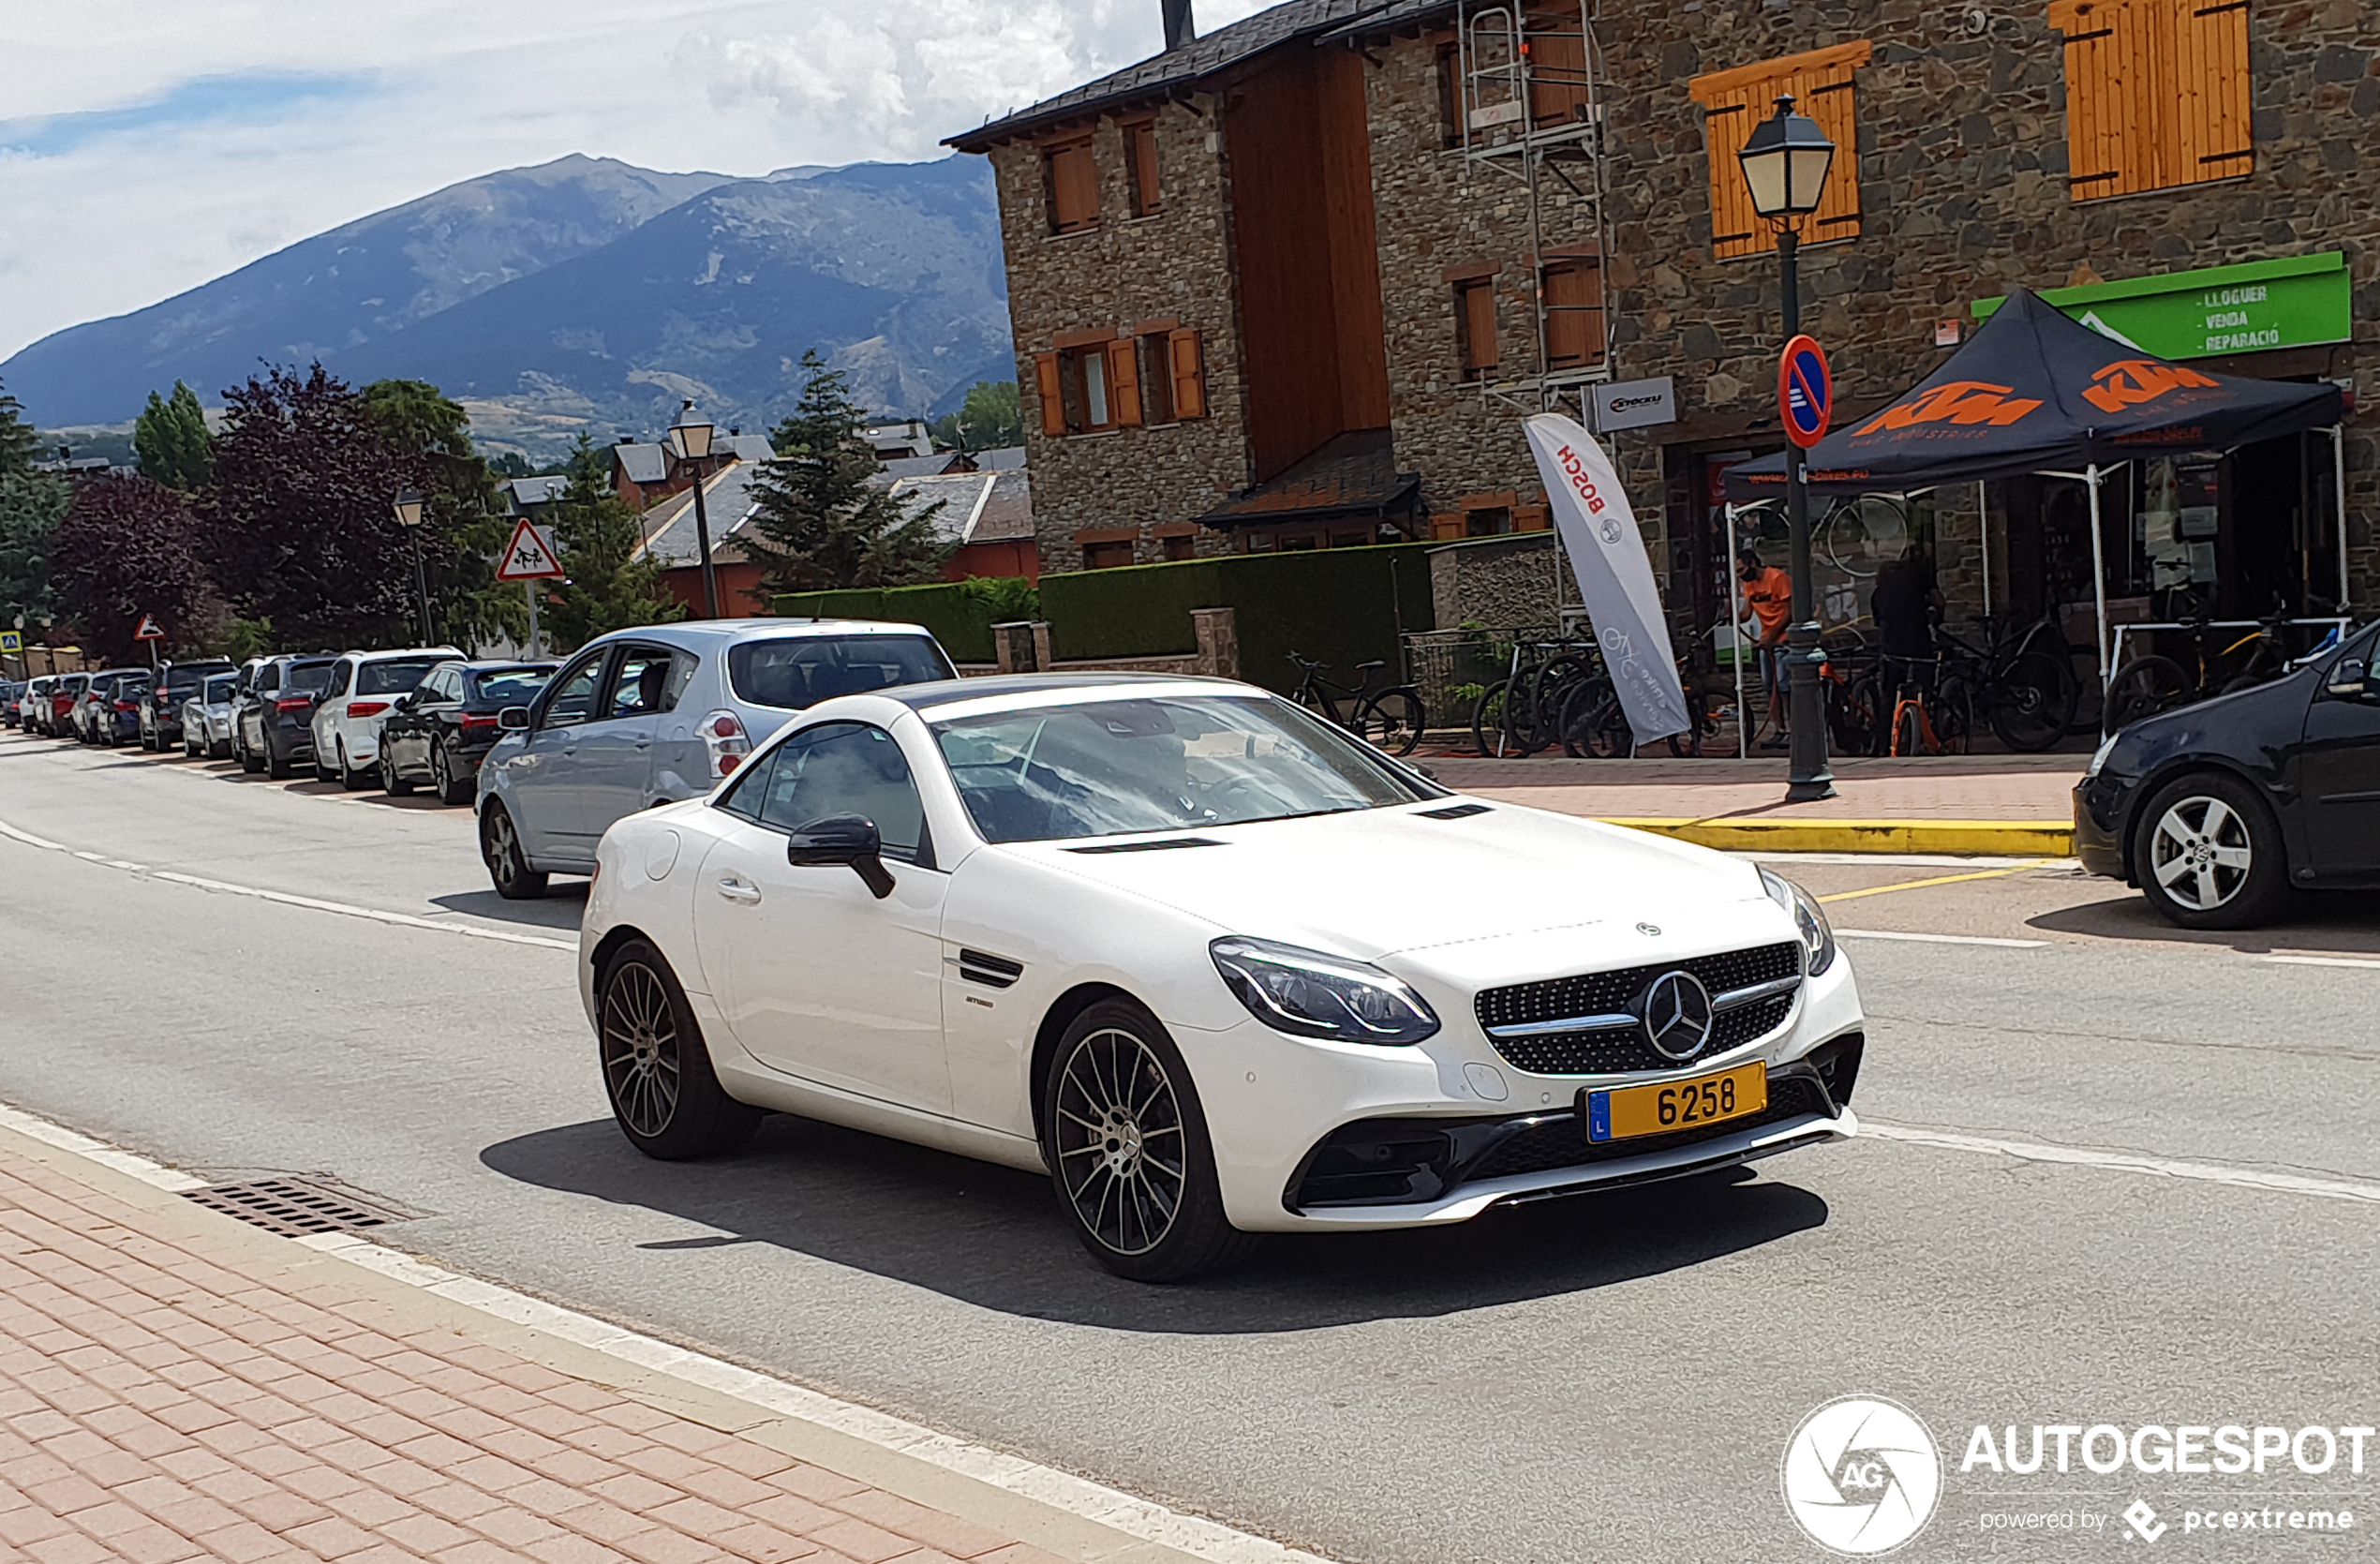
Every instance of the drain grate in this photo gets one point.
(297, 1207)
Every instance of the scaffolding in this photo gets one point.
(1529, 114)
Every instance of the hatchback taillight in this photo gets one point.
(128, 706)
(475, 721)
(366, 708)
(723, 736)
(293, 702)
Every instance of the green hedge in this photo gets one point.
(960, 613)
(1337, 605)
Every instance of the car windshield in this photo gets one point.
(396, 676)
(512, 686)
(798, 671)
(1110, 768)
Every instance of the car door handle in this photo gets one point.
(644, 743)
(735, 887)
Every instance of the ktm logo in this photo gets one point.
(2129, 382)
(1957, 402)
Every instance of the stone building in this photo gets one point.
(1304, 249)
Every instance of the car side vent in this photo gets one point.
(1166, 846)
(1453, 812)
(996, 972)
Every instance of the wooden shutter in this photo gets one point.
(2157, 94)
(1123, 383)
(1734, 101)
(1074, 187)
(1053, 399)
(1189, 375)
(1573, 314)
(1140, 160)
(1558, 63)
(1476, 301)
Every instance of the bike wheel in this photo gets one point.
(1392, 721)
(1700, 723)
(1576, 728)
(2031, 702)
(2143, 688)
(1909, 729)
(1954, 713)
(1490, 734)
(1855, 717)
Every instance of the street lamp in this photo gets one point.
(690, 437)
(1785, 161)
(410, 516)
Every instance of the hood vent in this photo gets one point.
(1166, 846)
(1453, 812)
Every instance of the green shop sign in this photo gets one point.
(2295, 302)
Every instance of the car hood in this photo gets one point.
(1373, 883)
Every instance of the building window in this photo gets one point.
(1475, 326)
(1115, 382)
(1487, 521)
(1573, 313)
(1559, 86)
(2157, 94)
(1179, 546)
(1105, 556)
(1734, 101)
(1154, 352)
(1450, 95)
(1140, 167)
(1072, 176)
(1189, 378)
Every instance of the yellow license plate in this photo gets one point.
(1674, 1104)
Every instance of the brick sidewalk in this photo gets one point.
(1963, 787)
(176, 1386)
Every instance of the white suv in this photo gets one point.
(348, 718)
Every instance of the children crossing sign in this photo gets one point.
(530, 557)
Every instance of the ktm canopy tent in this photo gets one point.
(2035, 391)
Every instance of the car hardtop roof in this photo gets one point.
(447, 653)
(946, 691)
(753, 629)
(492, 665)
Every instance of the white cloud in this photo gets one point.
(174, 142)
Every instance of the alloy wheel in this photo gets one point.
(640, 1049)
(504, 848)
(2201, 853)
(1122, 1154)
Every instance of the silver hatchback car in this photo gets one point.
(660, 713)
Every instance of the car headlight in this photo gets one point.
(1817, 935)
(1317, 995)
(2099, 756)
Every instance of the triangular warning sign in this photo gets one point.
(530, 557)
(148, 628)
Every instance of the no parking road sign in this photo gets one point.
(530, 557)
(1805, 392)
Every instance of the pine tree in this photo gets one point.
(818, 522)
(18, 441)
(172, 443)
(466, 526)
(606, 586)
(32, 505)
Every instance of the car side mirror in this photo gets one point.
(513, 719)
(402, 703)
(2350, 678)
(844, 838)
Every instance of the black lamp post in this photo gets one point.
(1785, 163)
(690, 437)
(409, 516)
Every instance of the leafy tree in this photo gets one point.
(128, 546)
(18, 441)
(172, 441)
(31, 506)
(300, 512)
(817, 521)
(989, 418)
(465, 526)
(607, 585)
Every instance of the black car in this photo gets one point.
(177, 682)
(2219, 810)
(437, 733)
(273, 719)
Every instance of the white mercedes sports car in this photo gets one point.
(1217, 966)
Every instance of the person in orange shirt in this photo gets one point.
(1768, 592)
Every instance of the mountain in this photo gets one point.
(589, 294)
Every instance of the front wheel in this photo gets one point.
(451, 788)
(1126, 1144)
(665, 1096)
(393, 782)
(2209, 854)
(508, 865)
(1392, 721)
(277, 765)
(2143, 688)
(2032, 702)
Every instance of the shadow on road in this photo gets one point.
(994, 1236)
(2346, 922)
(562, 907)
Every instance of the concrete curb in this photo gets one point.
(2013, 839)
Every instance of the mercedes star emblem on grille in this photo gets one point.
(1678, 1015)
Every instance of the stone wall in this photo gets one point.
(1504, 582)
(1175, 264)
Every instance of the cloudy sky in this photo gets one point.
(148, 145)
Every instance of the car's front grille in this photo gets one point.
(1620, 1048)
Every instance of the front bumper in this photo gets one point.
(2099, 845)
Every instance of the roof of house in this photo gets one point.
(1176, 70)
(727, 502)
(1352, 474)
(648, 462)
(1001, 459)
(977, 507)
(921, 467)
(543, 489)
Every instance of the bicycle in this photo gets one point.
(2151, 684)
(2024, 684)
(1391, 719)
(1594, 727)
(1520, 713)
(1933, 712)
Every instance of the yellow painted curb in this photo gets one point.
(2027, 838)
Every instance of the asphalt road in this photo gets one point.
(1606, 1378)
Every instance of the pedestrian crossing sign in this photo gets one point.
(530, 557)
(11, 640)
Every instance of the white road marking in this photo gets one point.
(312, 903)
(2325, 960)
(2131, 1162)
(1059, 1490)
(1939, 939)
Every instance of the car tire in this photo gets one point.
(393, 782)
(249, 760)
(351, 777)
(665, 1096)
(450, 788)
(2208, 853)
(506, 862)
(280, 767)
(1117, 1097)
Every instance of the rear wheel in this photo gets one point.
(2143, 688)
(280, 767)
(2209, 854)
(1855, 717)
(507, 864)
(352, 777)
(1126, 1144)
(2032, 702)
(1392, 721)
(392, 780)
(451, 788)
(665, 1096)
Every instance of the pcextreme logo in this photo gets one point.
(1954, 402)
(1862, 1476)
(2130, 382)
